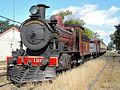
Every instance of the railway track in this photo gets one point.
(97, 77)
(109, 63)
(3, 73)
(3, 70)
(5, 84)
(3, 67)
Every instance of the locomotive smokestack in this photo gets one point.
(42, 9)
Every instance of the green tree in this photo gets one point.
(74, 20)
(4, 25)
(110, 46)
(88, 32)
(115, 37)
(64, 13)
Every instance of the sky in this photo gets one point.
(99, 15)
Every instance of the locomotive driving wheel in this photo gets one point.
(66, 61)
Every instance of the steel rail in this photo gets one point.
(97, 77)
(91, 85)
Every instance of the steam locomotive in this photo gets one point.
(51, 46)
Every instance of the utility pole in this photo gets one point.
(13, 22)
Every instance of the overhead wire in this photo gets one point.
(9, 19)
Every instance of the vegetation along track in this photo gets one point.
(109, 75)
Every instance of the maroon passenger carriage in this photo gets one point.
(97, 47)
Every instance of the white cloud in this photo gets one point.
(92, 15)
(112, 21)
(95, 17)
(101, 17)
(71, 8)
(113, 10)
(87, 8)
(101, 33)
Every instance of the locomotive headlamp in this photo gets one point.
(34, 10)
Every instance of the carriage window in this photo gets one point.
(85, 38)
(91, 41)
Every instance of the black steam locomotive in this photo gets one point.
(51, 46)
(45, 43)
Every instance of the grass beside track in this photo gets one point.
(110, 78)
(2, 63)
(3, 79)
